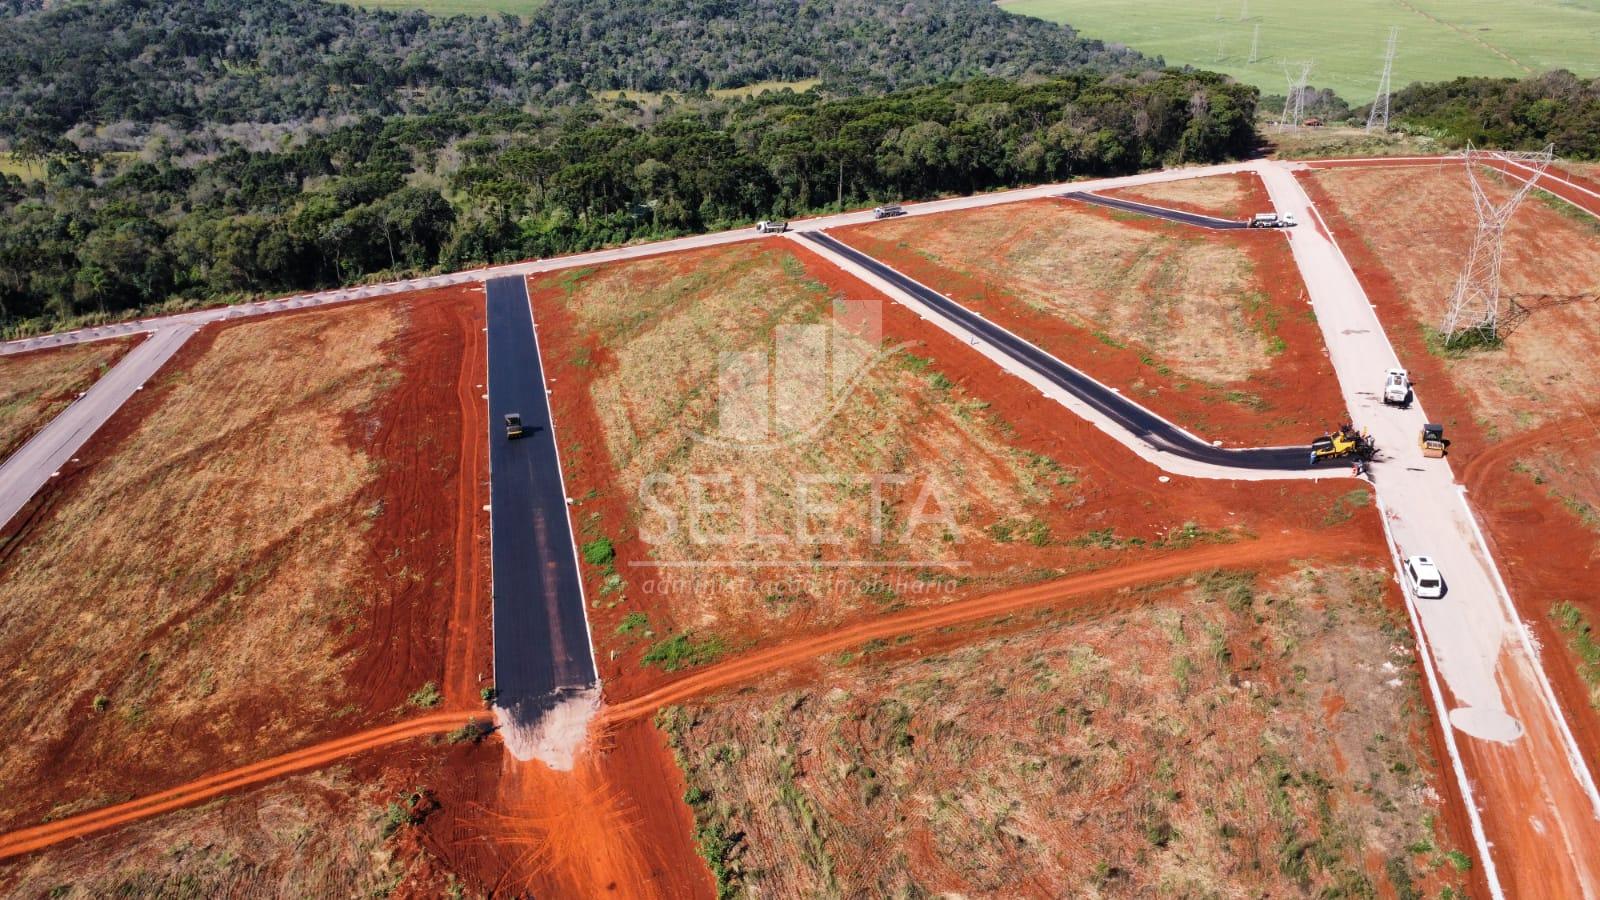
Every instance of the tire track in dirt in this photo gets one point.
(37, 837)
(752, 666)
(463, 631)
(1483, 465)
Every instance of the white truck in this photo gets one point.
(887, 211)
(1396, 388)
(1272, 220)
(766, 227)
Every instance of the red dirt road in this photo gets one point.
(746, 668)
(37, 837)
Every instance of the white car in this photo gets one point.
(1426, 582)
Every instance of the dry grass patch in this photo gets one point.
(1217, 195)
(1418, 220)
(1170, 290)
(35, 387)
(188, 600)
(655, 335)
(1224, 739)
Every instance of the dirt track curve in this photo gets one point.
(27, 840)
(749, 667)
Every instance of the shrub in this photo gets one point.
(599, 552)
(426, 697)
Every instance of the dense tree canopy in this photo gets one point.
(190, 63)
(411, 193)
(1554, 108)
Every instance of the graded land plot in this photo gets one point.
(1209, 329)
(1523, 417)
(277, 546)
(1223, 196)
(1010, 491)
(1439, 39)
(36, 386)
(355, 829)
(1232, 734)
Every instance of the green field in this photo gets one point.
(1439, 39)
(456, 7)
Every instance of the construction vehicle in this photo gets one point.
(1396, 388)
(766, 227)
(888, 211)
(1432, 441)
(1345, 442)
(514, 427)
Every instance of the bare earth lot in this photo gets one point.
(1030, 492)
(1524, 418)
(1232, 734)
(1209, 329)
(265, 554)
(35, 387)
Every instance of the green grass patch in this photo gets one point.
(684, 650)
(1439, 39)
(632, 622)
(1579, 632)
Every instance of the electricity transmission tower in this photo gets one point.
(1255, 44)
(1474, 313)
(1378, 117)
(1244, 10)
(1294, 105)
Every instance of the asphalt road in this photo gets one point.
(1122, 412)
(28, 469)
(1160, 212)
(541, 632)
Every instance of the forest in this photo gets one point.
(1554, 108)
(190, 64)
(99, 234)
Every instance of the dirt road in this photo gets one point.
(29, 839)
(1277, 548)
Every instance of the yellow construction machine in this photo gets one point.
(1342, 443)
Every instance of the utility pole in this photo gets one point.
(1378, 116)
(1255, 44)
(1474, 313)
(1294, 105)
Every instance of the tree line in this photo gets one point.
(85, 64)
(102, 234)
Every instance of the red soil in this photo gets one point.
(27, 840)
(1299, 383)
(1278, 548)
(426, 427)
